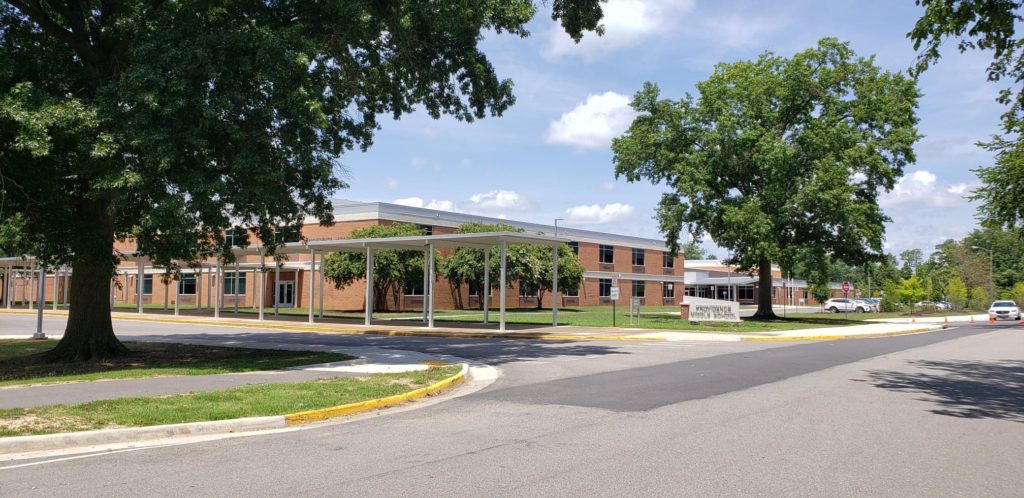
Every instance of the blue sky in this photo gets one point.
(548, 157)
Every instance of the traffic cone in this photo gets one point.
(947, 320)
(972, 318)
(991, 320)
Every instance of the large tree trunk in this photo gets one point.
(764, 291)
(89, 335)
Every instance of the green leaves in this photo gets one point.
(777, 155)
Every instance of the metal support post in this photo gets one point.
(430, 314)
(501, 282)
(312, 270)
(277, 286)
(235, 289)
(554, 286)
(368, 310)
(138, 285)
(218, 288)
(42, 296)
(263, 283)
(486, 296)
(321, 287)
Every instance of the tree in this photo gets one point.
(956, 292)
(392, 269)
(529, 265)
(777, 157)
(991, 26)
(1017, 293)
(979, 298)
(890, 296)
(911, 261)
(693, 250)
(910, 291)
(164, 122)
(820, 292)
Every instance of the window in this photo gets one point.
(286, 234)
(638, 257)
(527, 290)
(639, 289)
(187, 284)
(575, 246)
(604, 287)
(475, 288)
(668, 260)
(668, 290)
(570, 292)
(236, 237)
(606, 253)
(229, 282)
(745, 292)
(147, 284)
(426, 229)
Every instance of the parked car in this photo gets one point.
(868, 307)
(1004, 310)
(843, 304)
(875, 303)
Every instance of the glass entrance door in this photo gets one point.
(286, 294)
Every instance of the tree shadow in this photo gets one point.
(961, 388)
(490, 351)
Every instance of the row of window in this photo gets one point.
(187, 284)
(606, 254)
(604, 289)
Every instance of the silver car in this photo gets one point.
(841, 304)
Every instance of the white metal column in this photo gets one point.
(277, 286)
(56, 287)
(211, 292)
(430, 314)
(217, 289)
(177, 293)
(312, 280)
(321, 286)
(501, 282)
(263, 283)
(486, 296)
(425, 285)
(368, 311)
(554, 285)
(8, 286)
(31, 282)
(235, 289)
(199, 288)
(138, 285)
(42, 304)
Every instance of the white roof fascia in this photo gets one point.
(647, 277)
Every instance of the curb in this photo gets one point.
(379, 332)
(363, 406)
(26, 444)
(840, 337)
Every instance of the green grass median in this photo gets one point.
(19, 362)
(248, 401)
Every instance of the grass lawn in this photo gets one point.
(19, 364)
(249, 401)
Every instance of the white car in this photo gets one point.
(841, 304)
(1004, 310)
(867, 304)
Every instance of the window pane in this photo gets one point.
(604, 287)
(575, 246)
(668, 290)
(229, 283)
(147, 284)
(638, 288)
(607, 254)
(187, 284)
(668, 260)
(638, 257)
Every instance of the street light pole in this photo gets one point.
(556, 225)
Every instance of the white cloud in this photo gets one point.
(497, 200)
(626, 23)
(417, 163)
(593, 124)
(921, 188)
(608, 186)
(737, 31)
(595, 214)
(420, 203)
(392, 183)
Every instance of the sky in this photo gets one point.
(549, 156)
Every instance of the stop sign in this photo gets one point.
(846, 286)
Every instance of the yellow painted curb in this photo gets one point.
(373, 404)
(836, 337)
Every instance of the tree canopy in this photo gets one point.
(392, 269)
(988, 25)
(166, 122)
(778, 158)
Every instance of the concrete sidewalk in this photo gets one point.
(369, 361)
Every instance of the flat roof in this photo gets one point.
(482, 240)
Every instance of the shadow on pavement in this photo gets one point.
(960, 388)
(494, 352)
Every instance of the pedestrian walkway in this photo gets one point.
(369, 361)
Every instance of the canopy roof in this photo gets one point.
(483, 240)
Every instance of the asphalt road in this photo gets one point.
(938, 414)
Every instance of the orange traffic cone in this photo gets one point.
(947, 320)
(972, 318)
(991, 320)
